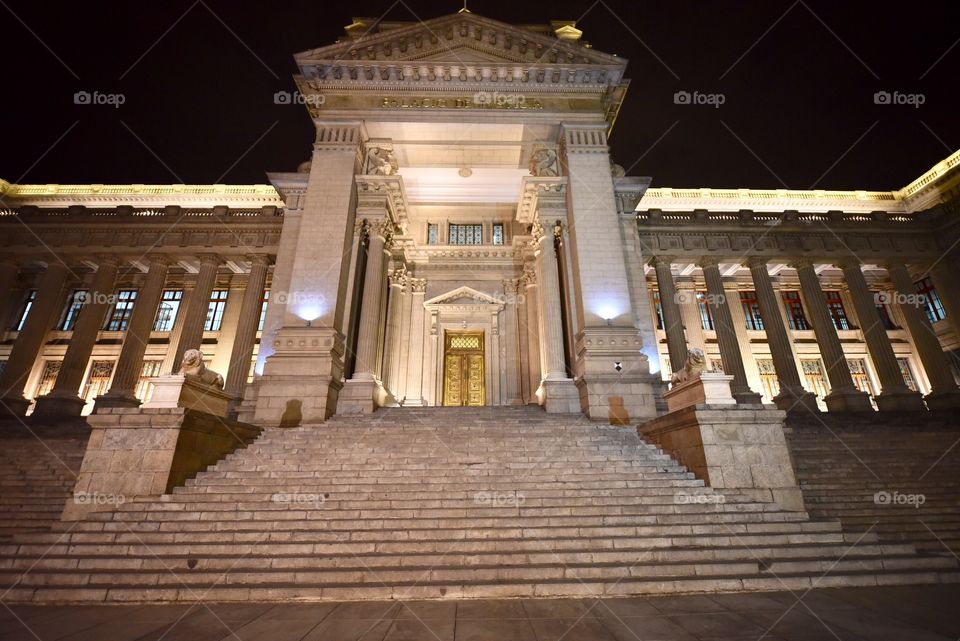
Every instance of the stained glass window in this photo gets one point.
(466, 234)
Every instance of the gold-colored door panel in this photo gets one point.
(463, 369)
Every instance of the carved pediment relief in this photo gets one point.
(463, 296)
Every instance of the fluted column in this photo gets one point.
(31, 338)
(195, 318)
(397, 280)
(672, 317)
(511, 342)
(414, 393)
(727, 334)
(241, 354)
(532, 334)
(8, 278)
(369, 329)
(792, 395)
(63, 400)
(895, 394)
(944, 394)
(844, 395)
(130, 363)
(552, 340)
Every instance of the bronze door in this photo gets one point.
(463, 369)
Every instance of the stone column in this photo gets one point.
(792, 396)
(532, 334)
(130, 363)
(246, 333)
(31, 338)
(63, 399)
(672, 318)
(191, 334)
(559, 391)
(690, 314)
(363, 392)
(394, 322)
(844, 395)
(944, 394)
(414, 391)
(727, 334)
(369, 330)
(895, 394)
(8, 279)
(511, 342)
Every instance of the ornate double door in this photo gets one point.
(463, 371)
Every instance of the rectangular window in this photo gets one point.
(794, 308)
(74, 304)
(433, 234)
(218, 303)
(49, 377)
(816, 380)
(768, 378)
(263, 309)
(466, 234)
(122, 310)
(907, 373)
(883, 311)
(931, 300)
(151, 369)
(837, 312)
(497, 233)
(665, 372)
(751, 310)
(167, 312)
(658, 308)
(706, 317)
(25, 310)
(858, 370)
(97, 381)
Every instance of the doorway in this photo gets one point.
(463, 369)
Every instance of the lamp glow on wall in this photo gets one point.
(607, 310)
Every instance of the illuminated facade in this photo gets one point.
(460, 236)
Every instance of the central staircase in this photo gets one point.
(446, 503)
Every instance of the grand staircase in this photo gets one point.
(446, 503)
(897, 475)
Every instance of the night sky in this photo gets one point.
(198, 78)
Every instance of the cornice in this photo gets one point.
(159, 196)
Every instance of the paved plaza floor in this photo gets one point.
(926, 613)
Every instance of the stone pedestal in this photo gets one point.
(137, 453)
(709, 388)
(361, 396)
(302, 379)
(560, 396)
(615, 378)
(731, 448)
(59, 404)
(175, 390)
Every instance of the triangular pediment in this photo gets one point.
(463, 296)
(461, 38)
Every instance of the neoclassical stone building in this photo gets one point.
(461, 236)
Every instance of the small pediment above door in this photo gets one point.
(463, 296)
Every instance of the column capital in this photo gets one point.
(708, 261)
(849, 263)
(657, 259)
(511, 286)
(801, 263)
(106, 259)
(259, 259)
(418, 285)
(162, 260)
(210, 258)
(756, 261)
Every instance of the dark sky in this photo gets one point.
(198, 78)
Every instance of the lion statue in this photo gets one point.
(696, 364)
(192, 368)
